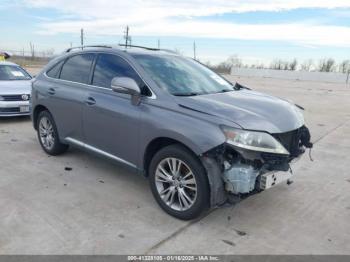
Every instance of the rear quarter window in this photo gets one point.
(54, 72)
(77, 68)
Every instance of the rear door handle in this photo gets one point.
(90, 101)
(51, 91)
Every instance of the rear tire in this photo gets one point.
(48, 135)
(179, 182)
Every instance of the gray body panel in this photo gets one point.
(65, 105)
(112, 124)
(251, 110)
(117, 127)
(188, 127)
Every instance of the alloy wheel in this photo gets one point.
(46, 133)
(176, 184)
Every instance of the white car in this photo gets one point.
(15, 88)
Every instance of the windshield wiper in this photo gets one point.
(186, 94)
(238, 86)
(225, 90)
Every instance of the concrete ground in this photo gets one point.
(100, 207)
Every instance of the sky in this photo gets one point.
(257, 31)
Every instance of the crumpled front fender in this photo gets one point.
(218, 195)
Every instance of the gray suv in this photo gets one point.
(200, 139)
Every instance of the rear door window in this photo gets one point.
(77, 68)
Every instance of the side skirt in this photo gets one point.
(98, 151)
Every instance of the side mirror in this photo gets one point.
(125, 85)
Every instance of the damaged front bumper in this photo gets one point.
(234, 171)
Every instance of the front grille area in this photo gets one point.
(9, 110)
(290, 140)
(13, 97)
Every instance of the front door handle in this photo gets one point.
(90, 101)
(51, 91)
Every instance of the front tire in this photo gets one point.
(179, 182)
(48, 135)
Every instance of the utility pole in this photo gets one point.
(82, 38)
(194, 50)
(32, 50)
(127, 37)
(23, 56)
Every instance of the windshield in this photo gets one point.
(182, 76)
(11, 72)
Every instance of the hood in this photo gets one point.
(248, 109)
(15, 87)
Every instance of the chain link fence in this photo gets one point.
(30, 57)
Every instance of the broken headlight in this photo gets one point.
(252, 140)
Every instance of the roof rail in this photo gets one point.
(150, 48)
(82, 47)
(170, 51)
(107, 46)
(139, 46)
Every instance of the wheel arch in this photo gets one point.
(37, 110)
(155, 145)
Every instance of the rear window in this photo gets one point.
(77, 68)
(12, 72)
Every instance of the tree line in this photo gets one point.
(309, 65)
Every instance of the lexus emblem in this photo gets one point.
(25, 97)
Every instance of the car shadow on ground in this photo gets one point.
(14, 120)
